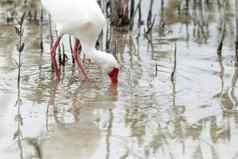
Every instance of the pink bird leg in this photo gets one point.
(53, 55)
(77, 58)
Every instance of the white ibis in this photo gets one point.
(84, 20)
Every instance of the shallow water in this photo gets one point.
(147, 116)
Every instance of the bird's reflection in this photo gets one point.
(112, 91)
(81, 128)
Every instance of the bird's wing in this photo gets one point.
(81, 18)
(74, 11)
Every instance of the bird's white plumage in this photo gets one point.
(105, 60)
(81, 18)
(84, 20)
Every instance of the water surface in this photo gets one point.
(147, 116)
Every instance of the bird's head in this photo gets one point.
(108, 63)
(113, 75)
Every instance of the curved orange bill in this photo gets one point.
(114, 75)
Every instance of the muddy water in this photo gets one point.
(146, 116)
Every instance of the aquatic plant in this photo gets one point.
(20, 47)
